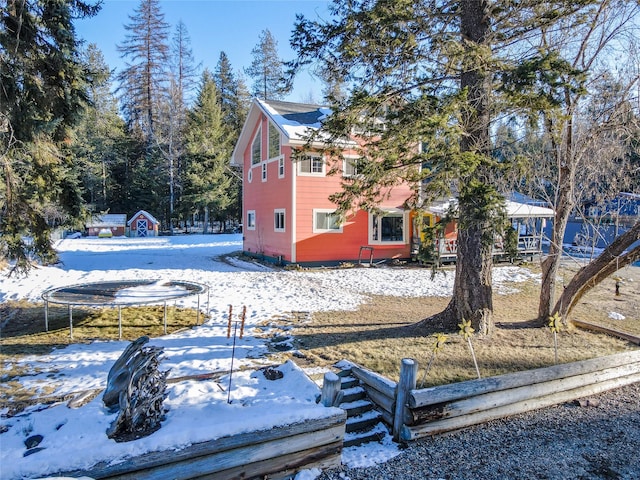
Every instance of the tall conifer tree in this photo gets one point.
(267, 69)
(43, 92)
(422, 77)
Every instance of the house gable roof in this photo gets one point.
(108, 220)
(146, 214)
(294, 120)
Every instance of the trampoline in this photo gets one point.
(119, 294)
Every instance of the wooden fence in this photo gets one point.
(413, 413)
(275, 454)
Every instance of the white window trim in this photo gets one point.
(324, 230)
(405, 223)
(264, 171)
(281, 167)
(312, 174)
(271, 125)
(249, 213)
(284, 216)
(259, 135)
(344, 165)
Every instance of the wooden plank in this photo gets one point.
(507, 397)
(445, 425)
(469, 388)
(383, 401)
(229, 459)
(380, 383)
(334, 417)
(285, 466)
(609, 331)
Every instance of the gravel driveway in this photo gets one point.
(600, 440)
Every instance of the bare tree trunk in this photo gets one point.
(472, 291)
(612, 259)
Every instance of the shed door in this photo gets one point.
(141, 227)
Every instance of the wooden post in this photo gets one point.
(198, 311)
(243, 316)
(70, 321)
(229, 322)
(119, 322)
(408, 376)
(330, 389)
(46, 315)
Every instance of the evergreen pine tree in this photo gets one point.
(208, 144)
(267, 69)
(43, 92)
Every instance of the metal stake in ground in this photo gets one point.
(233, 354)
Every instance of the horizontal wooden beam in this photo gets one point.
(445, 425)
(470, 388)
(609, 331)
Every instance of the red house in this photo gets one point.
(286, 209)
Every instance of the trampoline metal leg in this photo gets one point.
(119, 322)
(70, 321)
(165, 317)
(198, 312)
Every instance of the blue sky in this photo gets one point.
(232, 26)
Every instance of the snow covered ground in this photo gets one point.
(75, 439)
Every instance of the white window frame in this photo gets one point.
(277, 214)
(251, 214)
(281, 168)
(346, 160)
(258, 137)
(310, 173)
(275, 130)
(317, 229)
(264, 171)
(375, 221)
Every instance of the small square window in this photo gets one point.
(311, 165)
(281, 167)
(349, 167)
(326, 221)
(264, 172)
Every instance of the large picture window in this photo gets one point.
(278, 220)
(256, 148)
(274, 141)
(326, 221)
(387, 228)
(311, 165)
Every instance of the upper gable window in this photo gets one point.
(311, 165)
(256, 148)
(274, 141)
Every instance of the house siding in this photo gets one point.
(299, 195)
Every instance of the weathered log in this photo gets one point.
(506, 397)
(408, 378)
(409, 433)
(330, 390)
(375, 380)
(383, 401)
(208, 450)
(609, 331)
(458, 391)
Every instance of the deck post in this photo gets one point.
(408, 377)
(330, 389)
